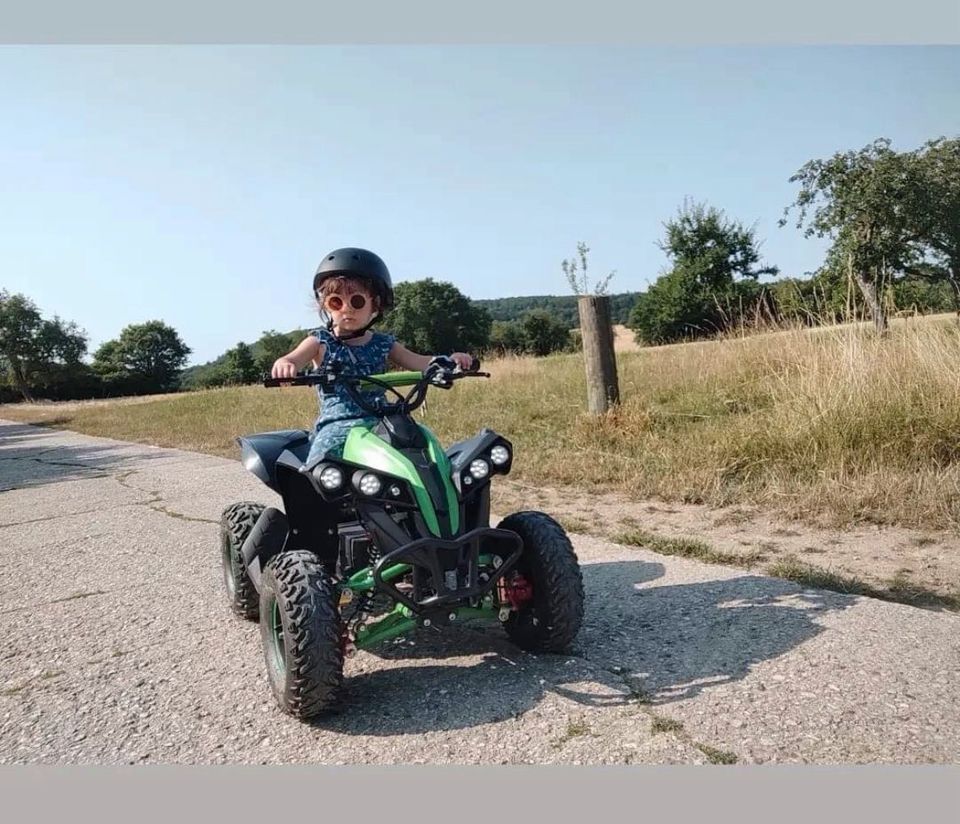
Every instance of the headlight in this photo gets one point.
(331, 477)
(479, 468)
(499, 455)
(369, 484)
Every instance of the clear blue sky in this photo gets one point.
(202, 185)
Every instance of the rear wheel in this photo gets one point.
(235, 524)
(302, 634)
(546, 585)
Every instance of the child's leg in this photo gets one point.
(328, 440)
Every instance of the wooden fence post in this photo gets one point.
(596, 331)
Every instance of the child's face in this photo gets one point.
(351, 306)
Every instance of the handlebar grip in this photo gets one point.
(296, 380)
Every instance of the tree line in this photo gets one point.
(892, 218)
(44, 357)
(428, 316)
(561, 307)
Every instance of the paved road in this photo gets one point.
(118, 647)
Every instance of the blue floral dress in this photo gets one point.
(338, 412)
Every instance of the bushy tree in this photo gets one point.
(147, 357)
(933, 213)
(890, 216)
(923, 296)
(38, 356)
(543, 333)
(675, 307)
(537, 333)
(712, 282)
(272, 345)
(239, 366)
(432, 316)
(206, 376)
(507, 336)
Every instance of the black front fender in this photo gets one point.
(259, 453)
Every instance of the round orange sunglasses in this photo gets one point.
(336, 303)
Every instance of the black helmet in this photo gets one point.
(352, 262)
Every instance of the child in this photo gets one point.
(353, 288)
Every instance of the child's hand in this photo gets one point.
(463, 360)
(283, 368)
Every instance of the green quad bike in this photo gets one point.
(392, 536)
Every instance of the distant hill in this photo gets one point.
(563, 307)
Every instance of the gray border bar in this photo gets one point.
(744, 794)
(490, 21)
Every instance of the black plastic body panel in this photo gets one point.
(259, 453)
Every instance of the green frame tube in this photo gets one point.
(363, 580)
(402, 620)
(393, 379)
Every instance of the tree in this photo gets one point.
(715, 251)
(562, 307)
(239, 366)
(933, 213)
(507, 336)
(272, 345)
(19, 329)
(147, 357)
(871, 203)
(675, 307)
(920, 296)
(543, 333)
(798, 300)
(38, 354)
(712, 281)
(205, 376)
(432, 316)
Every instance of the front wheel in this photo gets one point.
(302, 634)
(549, 617)
(235, 524)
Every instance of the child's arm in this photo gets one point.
(309, 349)
(406, 359)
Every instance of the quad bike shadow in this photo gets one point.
(639, 640)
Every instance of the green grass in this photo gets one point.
(899, 589)
(685, 548)
(661, 725)
(715, 756)
(575, 729)
(816, 578)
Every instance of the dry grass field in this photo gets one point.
(832, 428)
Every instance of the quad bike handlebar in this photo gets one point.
(441, 372)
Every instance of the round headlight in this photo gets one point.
(479, 468)
(331, 477)
(369, 484)
(499, 455)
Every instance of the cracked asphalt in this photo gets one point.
(118, 647)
